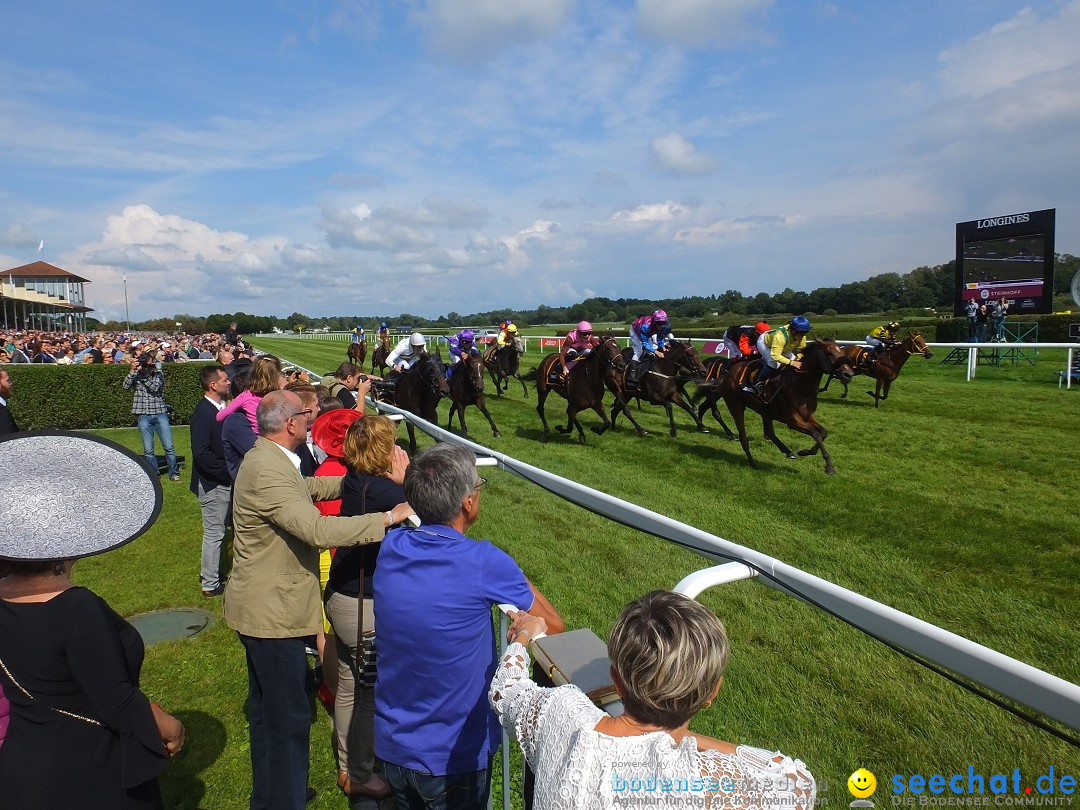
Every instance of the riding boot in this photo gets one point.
(635, 371)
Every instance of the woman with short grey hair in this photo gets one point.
(668, 655)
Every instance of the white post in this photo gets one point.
(973, 360)
(1069, 370)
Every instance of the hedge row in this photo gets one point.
(91, 397)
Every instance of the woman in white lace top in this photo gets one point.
(667, 661)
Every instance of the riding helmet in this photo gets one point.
(466, 334)
(584, 326)
(384, 325)
(417, 339)
(659, 315)
(800, 324)
(762, 327)
(511, 328)
(894, 325)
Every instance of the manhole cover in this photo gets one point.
(167, 625)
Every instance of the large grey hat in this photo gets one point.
(68, 495)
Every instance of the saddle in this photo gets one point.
(637, 370)
(552, 373)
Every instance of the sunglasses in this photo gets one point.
(305, 412)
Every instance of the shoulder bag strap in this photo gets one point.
(19, 686)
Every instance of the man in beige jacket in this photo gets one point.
(272, 598)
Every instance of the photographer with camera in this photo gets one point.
(153, 412)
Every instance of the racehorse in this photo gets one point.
(357, 354)
(791, 398)
(467, 388)
(661, 384)
(419, 390)
(504, 362)
(885, 367)
(583, 388)
(378, 357)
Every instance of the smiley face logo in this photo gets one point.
(862, 784)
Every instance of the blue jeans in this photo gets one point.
(419, 790)
(149, 424)
(279, 722)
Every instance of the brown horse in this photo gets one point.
(583, 388)
(378, 357)
(358, 353)
(661, 384)
(419, 389)
(467, 388)
(885, 367)
(790, 397)
(504, 362)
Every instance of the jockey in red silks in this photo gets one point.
(577, 344)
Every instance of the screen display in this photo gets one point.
(1007, 257)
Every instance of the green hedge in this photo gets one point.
(92, 397)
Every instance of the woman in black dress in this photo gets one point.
(81, 732)
(376, 470)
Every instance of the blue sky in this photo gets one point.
(344, 157)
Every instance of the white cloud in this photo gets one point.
(526, 241)
(652, 212)
(18, 235)
(1012, 51)
(676, 154)
(129, 258)
(698, 23)
(473, 29)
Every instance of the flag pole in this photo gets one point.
(127, 314)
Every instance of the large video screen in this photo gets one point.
(1010, 257)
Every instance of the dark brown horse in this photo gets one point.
(885, 367)
(358, 353)
(504, 362)
(378, 357)
(419, 389)
(661, 384)
(467, 388)
(790, 397)
(583, 388)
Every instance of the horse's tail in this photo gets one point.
(530, 376)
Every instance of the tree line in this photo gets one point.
(920, 291)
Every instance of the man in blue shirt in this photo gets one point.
(434, 590)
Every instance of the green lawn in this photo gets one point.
(954, 501)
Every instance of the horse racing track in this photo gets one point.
(955, 502)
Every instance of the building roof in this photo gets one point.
(42, 269)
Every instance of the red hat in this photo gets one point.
(763, 327)
(330, 428)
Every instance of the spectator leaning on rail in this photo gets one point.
(434, 589)
(668, 655)
(153, 412)
(781, 347)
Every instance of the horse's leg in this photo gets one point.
(481, 403)
(524, 390)
(494, 379)
(604, 423)
(719, 418)
(886, 384)
(828, 381)
(770, 433)
(678, 400)
(738, 413)
(541, 397)
(572, 422)
(412, 437)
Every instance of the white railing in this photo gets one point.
(1052, 696)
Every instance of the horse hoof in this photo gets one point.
(793, 457)
(673, 433)
(561, 429)
(581, 440)
(643, 433)
(843, 396)
(830, 470)
(545, 438)
(807, 452)
(496, 434)
(702, 429)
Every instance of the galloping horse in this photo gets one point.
(583, 389)
(504, 362)
(792, 398)
(886, 367)
(419, 390)
(467, 388)
(661, 384)
(378, 357)
(357, 354)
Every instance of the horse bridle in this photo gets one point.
(921, 352)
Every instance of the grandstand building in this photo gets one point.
(43, 296)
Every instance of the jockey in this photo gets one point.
(461, 344)
(781, 347)
(358, 334)
(383, 333)
(882, 338)
(407, 352)
(650, 334)
(507, 333)
(577, 343)
(740, 341)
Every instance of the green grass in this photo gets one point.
(954, 501)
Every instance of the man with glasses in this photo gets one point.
(434, 590)
(272, 599)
